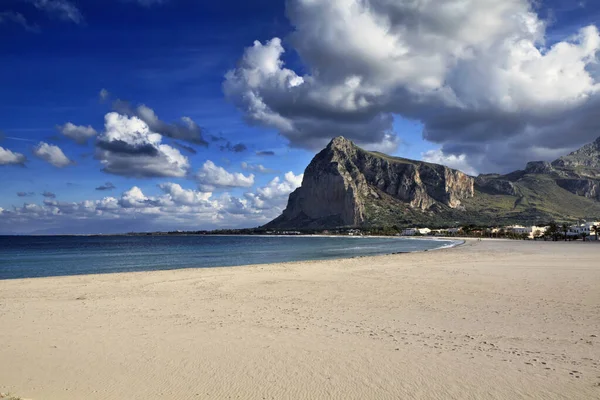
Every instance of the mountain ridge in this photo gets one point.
(347, 186)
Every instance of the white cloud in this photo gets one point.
(52, 154)
(134, 198)
(211, 176)
(183, 196)
(63, 9)
(81, 134)
(274, 195)
(175, 208)
(456, 162)
(476, 73)
(128, 147)
(186, 129)
(8, 157)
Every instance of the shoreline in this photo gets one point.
(489, 319)
(446, 247)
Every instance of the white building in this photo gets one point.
(583, 229)
(416, 231)
(530, 231)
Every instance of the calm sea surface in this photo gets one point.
(28, 257)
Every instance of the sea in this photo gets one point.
(45, 256)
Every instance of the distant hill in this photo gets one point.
(346, 186)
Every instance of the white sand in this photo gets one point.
(488, 320)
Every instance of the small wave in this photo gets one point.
(450, 245)
(355, 248)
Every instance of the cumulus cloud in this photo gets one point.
(186, 129)
(51, 154)
(175, 208)
(457, 162)
(80, 134)
(211, 177)
(17, 18)
(8, 157)
(183, 196)
(128, 147)
(107, 186)
(480, 75)
(275, 194)
(62, 9)
(135, 198)
(256, 168)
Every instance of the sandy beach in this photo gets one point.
(487, 320)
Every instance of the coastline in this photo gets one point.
(368, 258)
(283, 257)
(489, 319)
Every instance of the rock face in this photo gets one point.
(496, 185)
(343, 182)
(539, 167)
(582, 187)
(586, 159)
(579, 172)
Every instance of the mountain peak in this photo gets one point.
(340, 142)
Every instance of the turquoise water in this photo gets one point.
(42, 256)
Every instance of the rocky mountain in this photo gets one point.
(578, 173)
(345, 185)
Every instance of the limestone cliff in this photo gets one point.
(344, 185)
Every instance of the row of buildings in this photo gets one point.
(574, 231)
(584, 229)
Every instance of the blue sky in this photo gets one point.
(172, 56)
